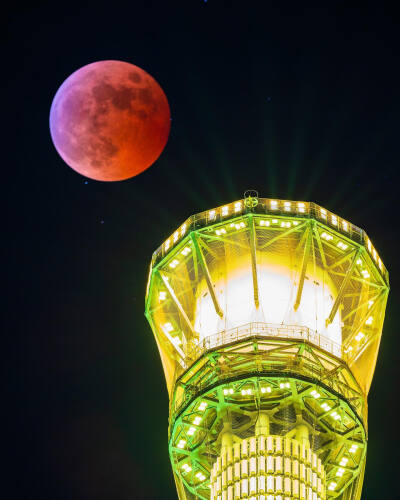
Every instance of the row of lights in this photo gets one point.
(333, 219)
(186, 251)
(340, 244)
(361, 335)
(315, 394)
(196, 421)
(287, 224)
(200, 476)
(374, 254)
(248, 391)
(343, 462)
(175, 237)
(364, 272)
(288, 206)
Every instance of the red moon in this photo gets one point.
(110, 120)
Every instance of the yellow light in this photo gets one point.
(176, 236)
(225, 210)
(359, 336)
(348, 349)
(181, 444)
(342, 245)
(301, 207)
(353, 448)
(266, 389)
(162, 295)
(345, 225)
(211, 214)
(332, 486)
(218, 232)
(370, 302)
(183, 229)
(246, 392)
(200, 476)
(186, 467)
(197, 420)
(177, 340)
(202, 406)
(334, 220)
(238, 206)
(326, 236)
(335, 415)
(287, 206)
(274, 204)
(191, 431)
(168, 327)
(274, 221)
(340, 472)
(264, 223)
(359, 262)
(369, 320)
(315, 394)
(325, 406)
(344, 461)
(167, 244)
(323, 213)
(174, 263)
(186, 251)
(365, 273)
(295, 223)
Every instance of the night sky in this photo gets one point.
(295, 102)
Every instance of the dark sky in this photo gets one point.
(296, 102)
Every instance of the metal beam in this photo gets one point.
(320, 246)
(362, 304)
(342, 289)
(368, 313)
(253, 248)
(306, 255)
(283, 234)
(178, 305)
(206, 272)
(341, 260)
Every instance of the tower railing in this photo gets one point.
(266, 330)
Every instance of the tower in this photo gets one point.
(268, 316)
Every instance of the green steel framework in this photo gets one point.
(290, 373)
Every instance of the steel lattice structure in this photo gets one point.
(268, 316)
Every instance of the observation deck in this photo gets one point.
(268, 311)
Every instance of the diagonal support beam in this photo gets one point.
(253, 251)
(342, 289)
(361, 305)
(368, 313)
(283, 235)
(343, 259)
(306, 256)
(320, 246)
(206, 272)
(178, 304)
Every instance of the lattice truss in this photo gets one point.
(201, 267)
(294, 383)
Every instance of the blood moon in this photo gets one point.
(110, 120)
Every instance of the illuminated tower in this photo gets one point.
(268, 317)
